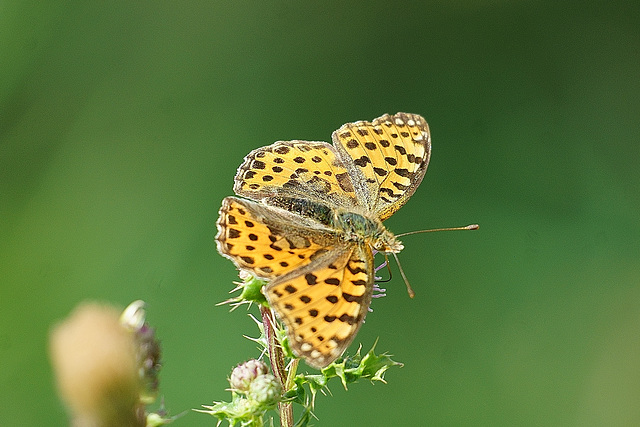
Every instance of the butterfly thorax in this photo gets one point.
(360, 228)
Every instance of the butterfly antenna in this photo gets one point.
(404, 277)
(468, 227)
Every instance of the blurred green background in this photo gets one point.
(122, 124)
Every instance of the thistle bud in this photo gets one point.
(265, 390)
(245, 373)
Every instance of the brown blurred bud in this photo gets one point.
(94, 359)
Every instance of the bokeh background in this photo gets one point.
(122, 124)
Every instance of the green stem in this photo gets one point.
(276, 358)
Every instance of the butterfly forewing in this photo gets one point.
(301, 169)
(267, 241)
(391, 153)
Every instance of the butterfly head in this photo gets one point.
(387, 242)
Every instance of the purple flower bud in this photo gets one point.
(245, 373)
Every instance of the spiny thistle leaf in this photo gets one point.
(351, 368)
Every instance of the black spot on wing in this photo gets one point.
(362, 161)
(283, 149)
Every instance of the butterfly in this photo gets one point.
(310, 221)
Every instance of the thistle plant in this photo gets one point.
(256, 390)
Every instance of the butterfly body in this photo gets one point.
(312, 218)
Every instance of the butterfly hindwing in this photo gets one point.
(324, 303)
